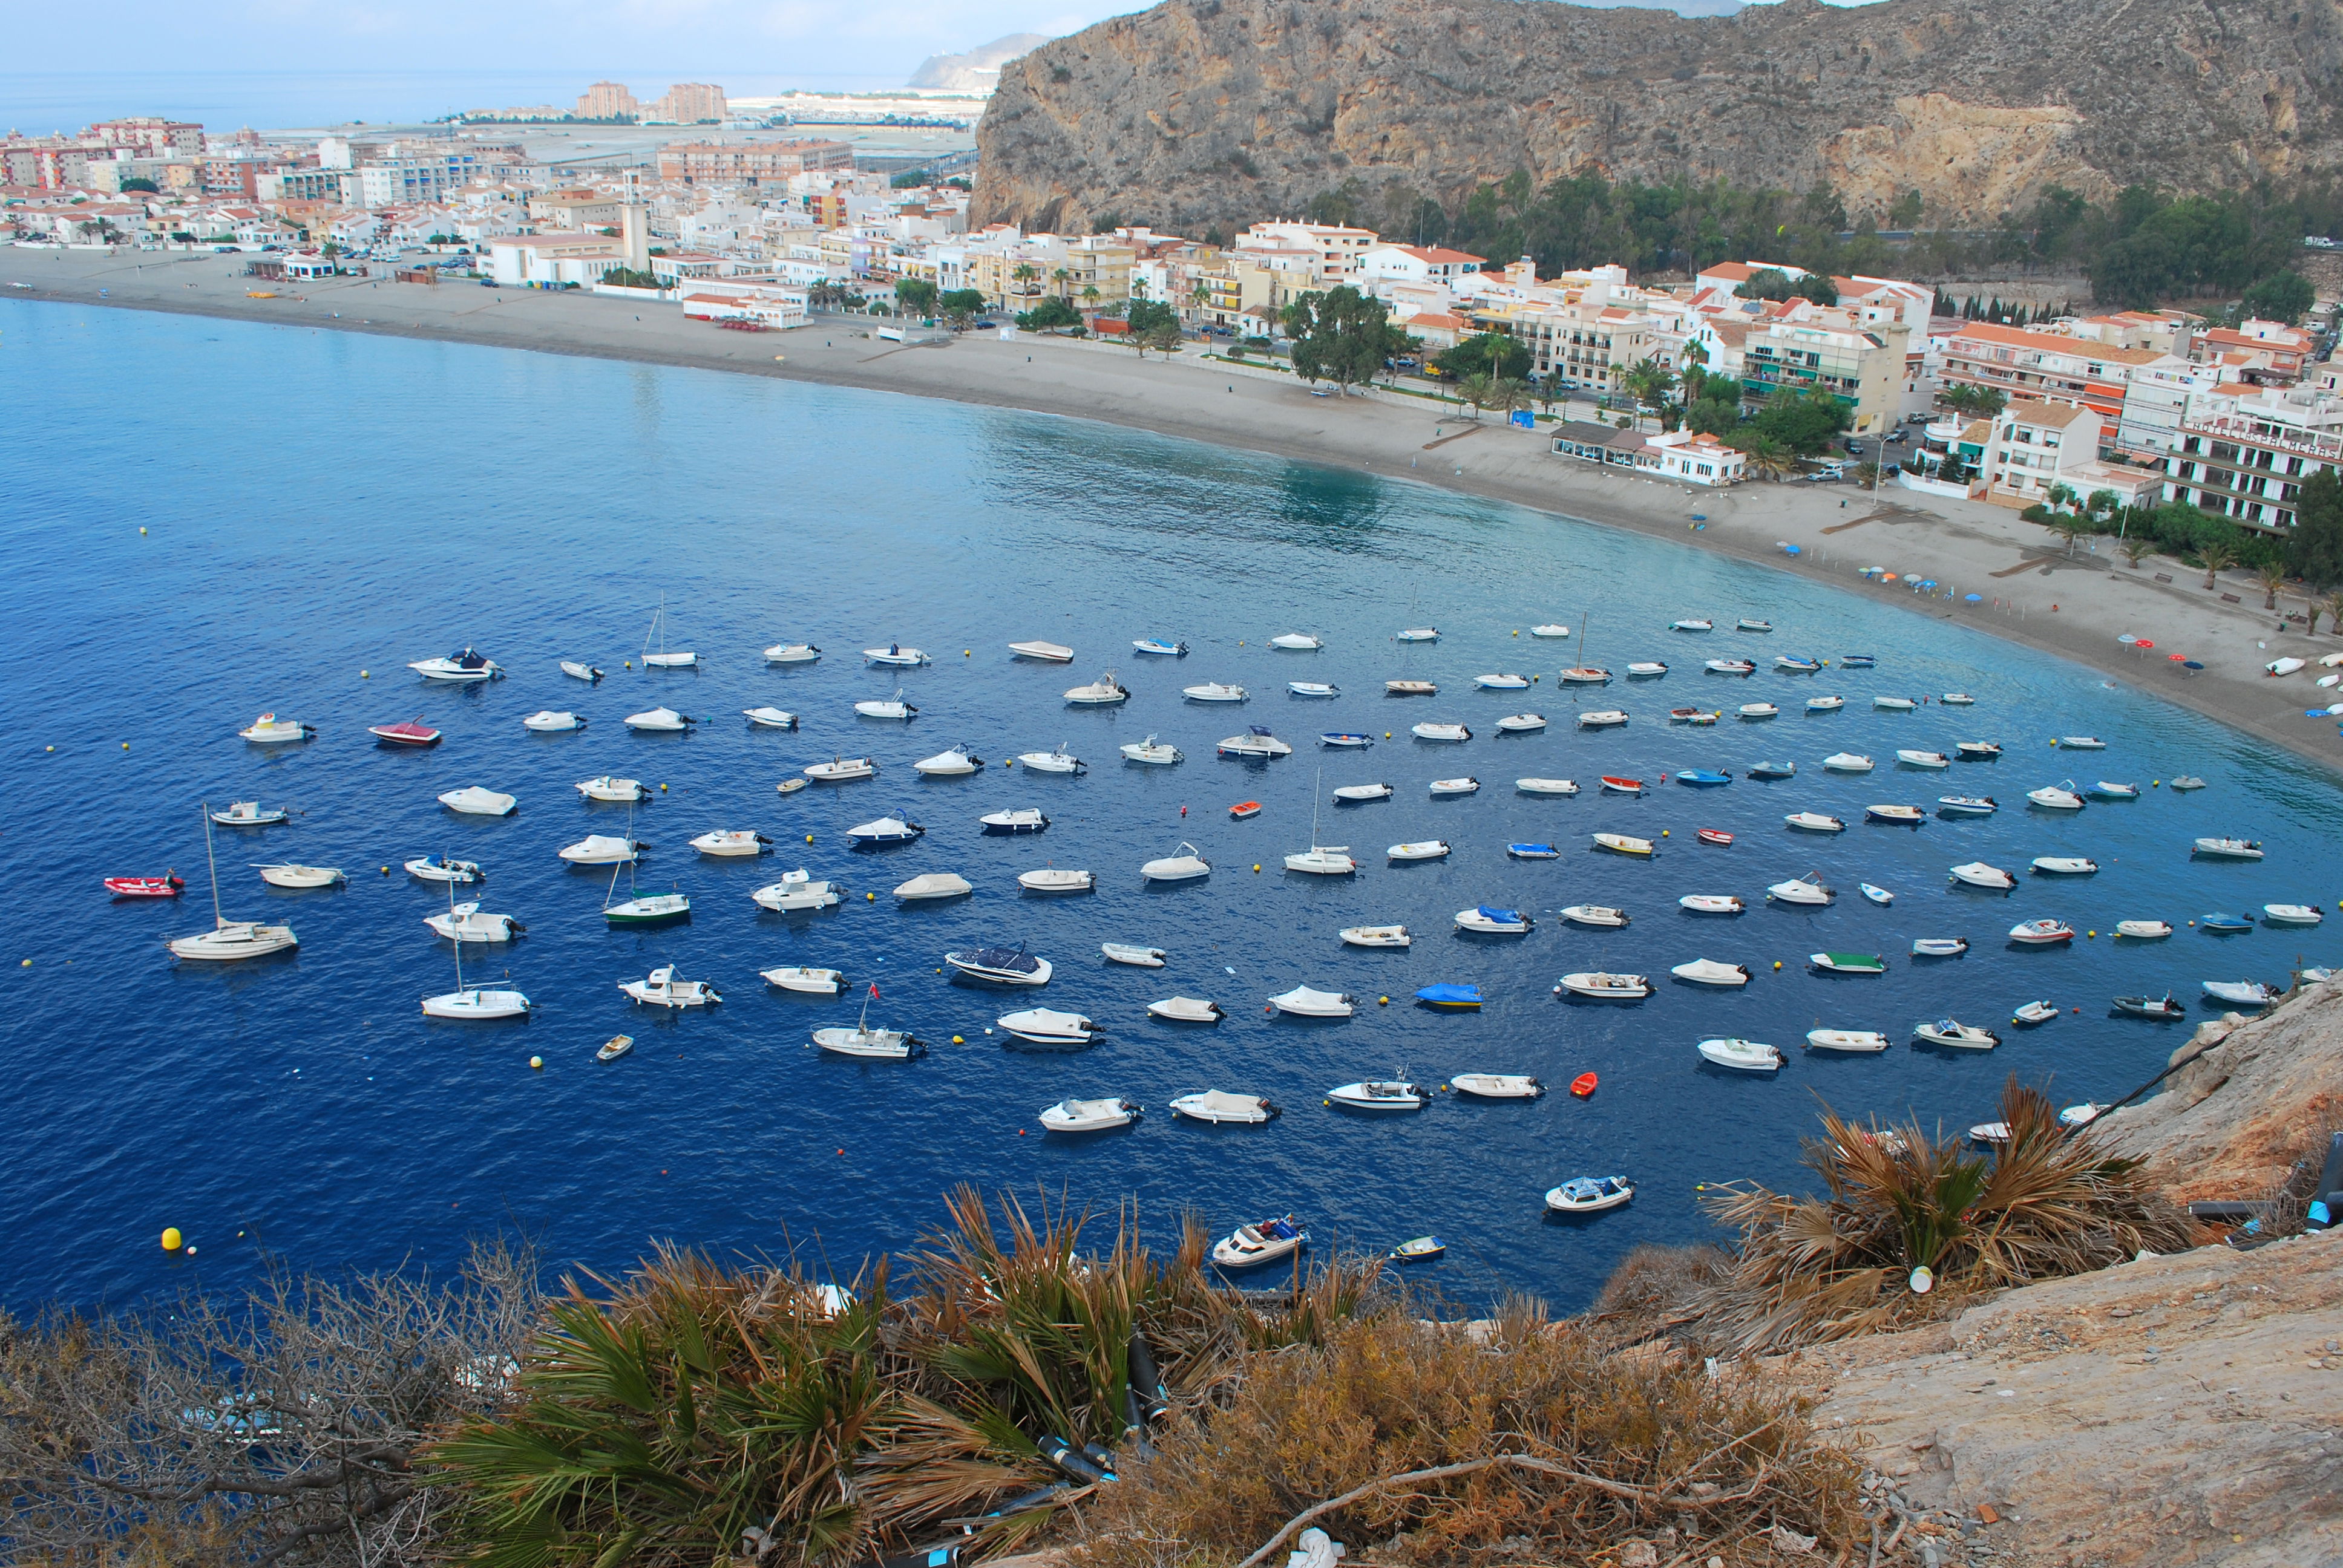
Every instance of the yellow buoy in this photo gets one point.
(957, 1040)
(537, 1061)
(142, 530)
(808, 838)
(362, 675)
(1383, 1001)
(872, 898)
(1387, 735)
(126, 746)
(386, 870)
(171, 1238)
(48, 748)
(662, 788)
(26, 964)
(1256, 865)
(1777, 963)
(1663, 832)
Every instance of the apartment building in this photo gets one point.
(573, 208)
(2263, 353)
(1383, 264)
(2046, 365)
(2249, 464)
(749, 164)
(1581, 338)
(2034, 446)
(608, 101)
(1816, 347)
(1015, 271)
(1335, 251)
(688, 103)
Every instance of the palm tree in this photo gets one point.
(2067, 526)
(1060, 278)
(2334, 613)
(1477, 392)
(1506, 395)
(1091, 295)
(1648, 381)
(2215, 558)
(2137, 550)
(1767, 458)
(1025, 272)
(2272, 576)
(1867, 476)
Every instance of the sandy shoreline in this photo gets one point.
(1972, 546)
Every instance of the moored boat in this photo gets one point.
(1221, 1106)
(1265, 1241)
(1741, 1055)
(1496, 1085)
(1851, 1042)
(1602, 986)
(1977, 874)
(929, 886)
(270, 731)
(1848, 963)
(1379, 1094)
(1589, 1194)
(1071, 1116)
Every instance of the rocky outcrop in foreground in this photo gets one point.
(1196, 112)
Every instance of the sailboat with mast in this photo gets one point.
(473, 1002)
(663, 660)
(1321, 860)
(1582, 673)
(643, 908)
(230, 940)
(887, 1044)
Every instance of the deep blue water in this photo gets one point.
(319, 505)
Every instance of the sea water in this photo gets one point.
(318, 510)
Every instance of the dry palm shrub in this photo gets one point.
(1651, 1290)
(2046, 1203)
(1441, 1446)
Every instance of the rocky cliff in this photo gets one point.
(1223, 111)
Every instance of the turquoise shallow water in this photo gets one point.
(318, 505)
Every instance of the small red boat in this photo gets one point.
(1244, 808)
(1622, 786)
(1584, 1085)
(166, 886)
(413, 732)
(1714, 836)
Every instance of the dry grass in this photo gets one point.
(1623, 1447)
(1647, 1293)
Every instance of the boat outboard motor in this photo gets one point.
(1146, 1380)
(1073, 1461)
(2328, 1198)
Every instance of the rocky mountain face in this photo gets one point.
(1197, 112)
(977, 69)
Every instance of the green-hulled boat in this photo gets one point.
(1849, 963)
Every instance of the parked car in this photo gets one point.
(488, 283)
(1895, 437)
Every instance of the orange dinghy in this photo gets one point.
(1243, 809)
(1584, 1085)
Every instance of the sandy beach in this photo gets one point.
(2029, 591)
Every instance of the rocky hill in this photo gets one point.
(1197, 112)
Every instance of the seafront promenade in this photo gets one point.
(2028, 589)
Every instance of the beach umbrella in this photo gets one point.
(2144, 642)
(1887, 576)
(2125, 637)
(2190, 663)
(1973, 597)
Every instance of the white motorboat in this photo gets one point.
(1894, 704)
(661, 720)
(1376, 936)
(1130, 953)
(932, 885)
(1218, 1105)
(1521, 723)
(1493, 922)
(1352, 794)
(466, 922)
(1404, 687)
(1939, 947)
(1602, 719)
(2082, 743)
(1417, 634)
(250, 814)
(895, 656)
(1185, 866)
(2110, 789)
(1601, 916)
(1977, 750)
(1952, 1032)
(1712, 903)
(1379, 1094)
(1809, 888)
(2041, 933)
(1048, 1026)
(1303, 1003)
(1589, 1194)
(1547, 786)
(803, 979)
(2213, 849)
(1865, 1042)
(1759, 710)
(611, 789)
(1268, 1242)
(1551, 629)
(2292, 914)
(292, 876)
(891, 829)
(463, 666)
(1709, 971)
(1958, 700)
(1924, 758)
(663, 989)
(1977, 874)
(1625, 844)
(1825, 704)
(1447, 732)
(1741, 1055)
(1000, 966)
(842, 770)
(2243, 993)
(1815, 822)
(1256, 744)
(1847, 762)
(1898, 814)
(423, 868)
(1465, 786)
(1645, 668)
(1694, 624)
(2065, 865)
(1792, 663)
(1024, 820)
(229, 941)
(1418, 849)
(1105, 692)
(1186, 1009)
(798, 891)
(1058, 761)
(601, 850)
(1214, 691)
(1054, 879)
(729, 843)
(270, 731)
(1046, 652)
(1088, 1115)
(888, 707)
(1604, 987)
(2034, 1012)
(1730, 667)
(477, 1004)
(1502, 681)
(663, 660)
(578, 670)
(1496, 1085)
(1159, 753)
(2057, 796)
(956, 762)
(1163, 645)
(1875, 893)
(1297, 642)
(867, 1043)
(1966, 804)
(546, 721)
(2144, 931)
(792, 653)
(474, 801)
(1315, 690)
(646, 908)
